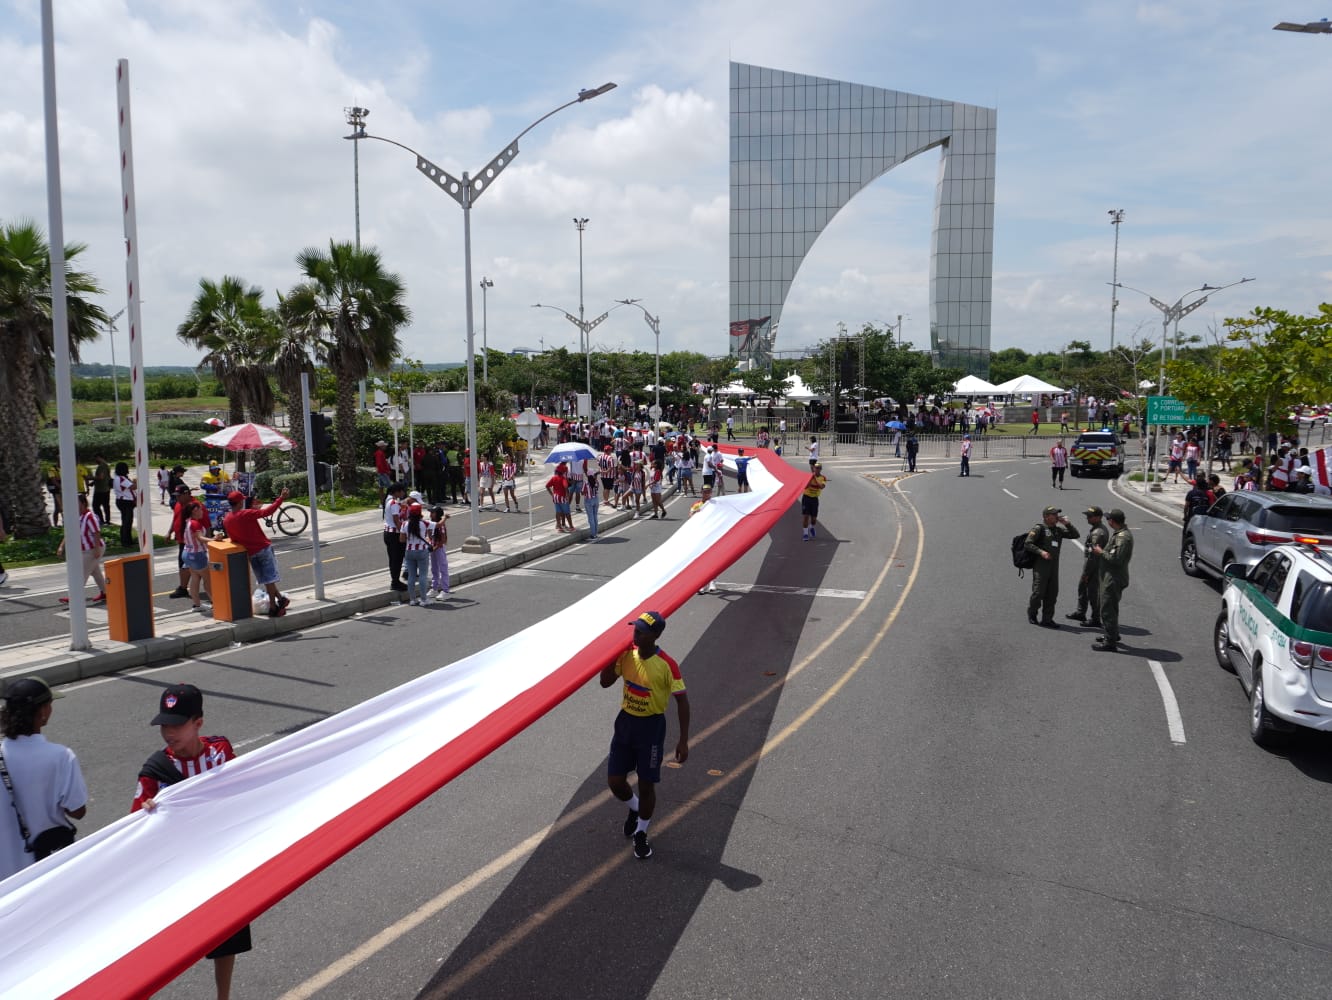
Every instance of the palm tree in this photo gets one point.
(293, 356)
(228, 322)
(27, 353)
(356, 307)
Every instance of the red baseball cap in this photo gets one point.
(236, 496)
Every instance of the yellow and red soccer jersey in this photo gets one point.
(648, 682)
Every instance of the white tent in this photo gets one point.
(797, 391)
(1026, 385)
(972, 385)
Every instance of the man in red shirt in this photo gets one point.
(181, 503)
(187, 753)
(382, 469)
(242, 527)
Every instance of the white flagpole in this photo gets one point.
(143, 495)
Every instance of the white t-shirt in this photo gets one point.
(392, 510)
(813, 451)
(47, 781)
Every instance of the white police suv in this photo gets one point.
(1275, 633)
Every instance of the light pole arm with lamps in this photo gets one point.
(585, 328)
(465, 191)
(1174, 314)
(654, 324)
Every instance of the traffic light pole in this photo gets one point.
(313, 488)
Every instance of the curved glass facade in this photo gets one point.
(802, 146)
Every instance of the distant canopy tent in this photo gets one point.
(973, 385)
(1026, 385)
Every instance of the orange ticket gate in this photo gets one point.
(229, 581)
(129, 598)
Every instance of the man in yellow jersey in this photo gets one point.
(650, 679)
(809, 503)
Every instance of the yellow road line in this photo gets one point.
(523, 850)
(324, 561)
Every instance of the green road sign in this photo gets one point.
(1169, 410)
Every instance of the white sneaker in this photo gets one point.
(414, 602)
(426, 602)
(712, 588)
(430, 594)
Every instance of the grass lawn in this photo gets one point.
(89, 410)
(41, 551)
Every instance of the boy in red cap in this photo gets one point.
(187, 753)
(242, 527)
(650, 679)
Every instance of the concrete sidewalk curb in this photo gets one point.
(57, 665)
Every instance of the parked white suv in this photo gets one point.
(1275, 633)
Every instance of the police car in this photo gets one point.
(1275, 633)
(1096, 451)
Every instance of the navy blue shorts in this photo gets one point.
(637, 745)
(809, 506)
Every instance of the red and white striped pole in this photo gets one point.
(146, 486)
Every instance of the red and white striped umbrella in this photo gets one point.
(215, 422)
(248, 437)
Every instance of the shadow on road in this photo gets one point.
(583, 918)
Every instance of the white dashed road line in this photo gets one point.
(1011, 493)
(1174, 721)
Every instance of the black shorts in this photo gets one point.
(708, 477)
(637, 745)
(809, 506)
(234, 945)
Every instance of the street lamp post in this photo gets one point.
(580, 225)
(115, 376)
(654, 323)
(356, 117)
(465, 191)
(485, 339)
(585, 328)
(1116, 219)
(1174, 314)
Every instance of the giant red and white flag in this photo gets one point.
(124, 911)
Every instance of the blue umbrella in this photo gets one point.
(570, 451)
(895, 425)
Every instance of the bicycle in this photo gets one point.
(289, 519)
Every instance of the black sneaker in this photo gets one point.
(1077, 616)
(398, 585)
(642, 849)
(282, 601)
(277, 612)
(1095, 623)
(179, 592)
(1032, 619)
(1048, 623)
(631, 823)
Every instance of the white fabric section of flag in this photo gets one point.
(1321, 463)
(71, 916)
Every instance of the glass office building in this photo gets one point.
(802, 146)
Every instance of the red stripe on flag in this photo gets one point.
(159, 959)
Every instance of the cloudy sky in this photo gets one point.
(1205, 126)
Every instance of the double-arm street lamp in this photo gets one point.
(654, 323)
(585, 328)
(465, 191)
(1173, 314)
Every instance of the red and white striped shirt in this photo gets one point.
(195, 535)
(90, 532)
(216, 752)
(416, 543)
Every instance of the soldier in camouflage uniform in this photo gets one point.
(1089, 584)
(1115, 556)
(1042, 544)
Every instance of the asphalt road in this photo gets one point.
(897, 787)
